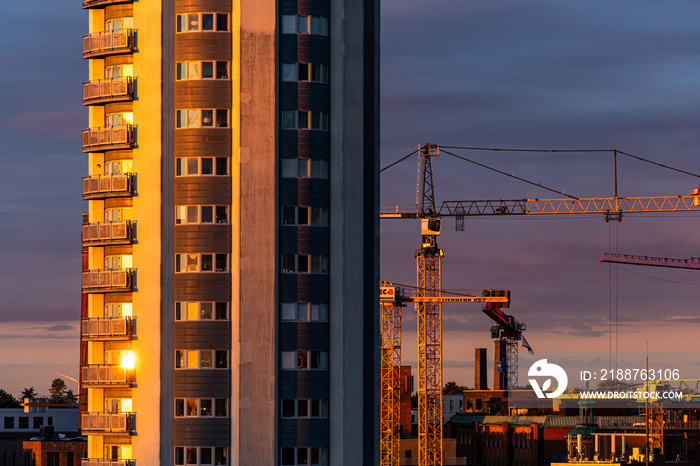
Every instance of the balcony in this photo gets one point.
(107, 281)
(108, 138)
(106, 462)
(107, 186)
(107, 423)
(105, 375)
(104, 91)
(100, 329)
(107, 233)
(100, 44)
(96, 4)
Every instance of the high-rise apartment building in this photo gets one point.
(232, 233)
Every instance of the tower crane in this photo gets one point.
(429, 268)
(393, 298)
(508, 332)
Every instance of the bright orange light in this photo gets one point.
(128, 360)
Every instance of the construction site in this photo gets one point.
(511, 421)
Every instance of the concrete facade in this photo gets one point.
(232, 232)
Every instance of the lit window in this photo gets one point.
(119, 71)
(194, 214)
(119, 119)
(201, 166)
(304, 168)
(191, 70)
(201, 262)
(293, 24)
(305, 312)
(202, 22)
(201, 359)
(118, 262)
(119, 24)
(119, 167)
(201, 310)
(201, 118)
(201, 407)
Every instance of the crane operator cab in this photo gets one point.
(429, 230)
(430, 226)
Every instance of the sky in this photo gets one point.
(559, 74)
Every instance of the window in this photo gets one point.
(305, 360)
(202, 22)
(314, 72)
(53, 458)
(9, 423)
(187, 214)
(119, 167)
(119, 24)
(201, 455)
(117, 310)
(304, 168)
(190, 70)
(200, 310)
(304, 263)
(119, 262)
(119, 119)
(37, 421)
(201, 359)
(23, 422)
(293, 456)
(201, 407)
(302, 119)
(314, 216)
(303, 408)
(202, 118)
(293, 24)
(119, 214)
(204, 166)
(201, 262)
(119, 71)
(305, 312)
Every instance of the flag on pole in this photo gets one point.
(527, 345)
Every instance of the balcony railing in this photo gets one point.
(99, 3)
(107, 423)
(108, 138)
(108, 90)
(106, 462)
(111, 233)
(106, 281)
(100, 44)
(104, 186)
(106, 375)
(115, 328)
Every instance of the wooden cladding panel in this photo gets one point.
(192, 190)
(118, 155)
(193, 142)
(202, 286)
(118, 250)
(203, 94)
(203, 46)
(118, 298)
(203, 334)
(119, 107)
(202, 6)
(203, 238)
(113, 203)
(112, 60)
(125, 10)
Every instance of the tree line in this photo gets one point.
(57, 391)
